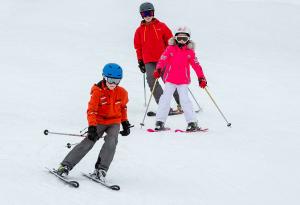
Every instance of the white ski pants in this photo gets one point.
(165, 100)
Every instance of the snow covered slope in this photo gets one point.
(53, 51)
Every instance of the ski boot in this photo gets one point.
(99, 174)
(63, 170)
(179, 109)
(192, 127)
(159, 125)
(176, 112)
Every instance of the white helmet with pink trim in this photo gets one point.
(183, 29)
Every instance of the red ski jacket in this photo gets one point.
(150, 40)
(107, 106)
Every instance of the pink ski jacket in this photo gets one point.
(177, 61)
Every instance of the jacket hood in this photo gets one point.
(190, 45)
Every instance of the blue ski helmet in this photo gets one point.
(112, 70)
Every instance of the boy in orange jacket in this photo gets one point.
(106, 111)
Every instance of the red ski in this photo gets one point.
(198, 130)
(153, 130)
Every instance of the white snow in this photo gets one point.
(53, 51)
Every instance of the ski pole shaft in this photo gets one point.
(145, 99)
(228, 123)
(142, 123)
(46, 132)
(69, 145)
(83, 129)
(199, 108)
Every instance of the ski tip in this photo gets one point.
(115, 187)
(150, 130)
(74, 184)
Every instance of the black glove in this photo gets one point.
(142, 66)
(92, 133)
(126, 128)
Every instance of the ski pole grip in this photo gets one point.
(46, 132)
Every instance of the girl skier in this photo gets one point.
(176, 61)
(106, 110)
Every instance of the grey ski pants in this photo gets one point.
(107, 151)
(150, 67)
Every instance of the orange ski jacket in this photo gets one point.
(107, 106)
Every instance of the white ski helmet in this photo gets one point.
(183, 29)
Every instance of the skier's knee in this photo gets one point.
(111, 144)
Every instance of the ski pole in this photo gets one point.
(69, 145)
(46, 132)
(228, 123)
(142, 123)
(145, 90)
(83, 130)
(199, 108)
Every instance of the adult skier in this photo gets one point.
(106, 111)
(176, 60)
(150, 40)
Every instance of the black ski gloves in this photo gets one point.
(92, 133)
(142, 66)
(126, 128)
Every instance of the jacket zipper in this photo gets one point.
(155, 32)
(145, 34)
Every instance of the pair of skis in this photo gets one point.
(178, 130)
(75, 184)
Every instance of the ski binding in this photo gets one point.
(153, 130)
(198, 130)
(64, 179)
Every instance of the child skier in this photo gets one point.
(150, 41)
(176, 60)
(106, 110)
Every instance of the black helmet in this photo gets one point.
(146, 7)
